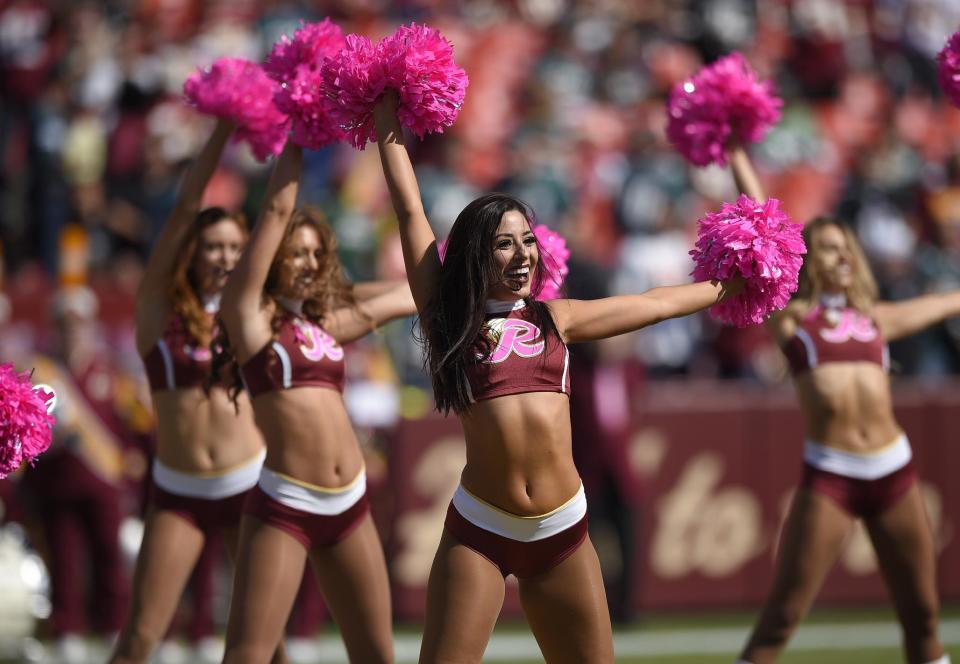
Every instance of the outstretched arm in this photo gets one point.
(419, 243)
(242, 296)
(153, 292)
(901, 319)
(589, 320)
(347, 324)
(744, 174)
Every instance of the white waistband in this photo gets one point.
(859, 466)
(309, 498)
(209, 487)
(520, 528)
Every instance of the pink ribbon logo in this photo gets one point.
(315, 344)
(852, 325)
(514, 336)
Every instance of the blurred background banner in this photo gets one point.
(717, 469)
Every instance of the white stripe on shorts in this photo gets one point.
(310, 498)
(519, 528)
(859, 466)
(209, 486)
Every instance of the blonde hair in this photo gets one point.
(862, 293)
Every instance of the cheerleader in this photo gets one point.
(498, 358)
(857, 461)
(287, 311)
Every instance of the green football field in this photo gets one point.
(828, 636)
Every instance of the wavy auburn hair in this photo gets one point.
(330, 290)
(862, 293)
(184, 288)
(453, 318)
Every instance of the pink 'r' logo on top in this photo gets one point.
(852, 325)
(514, 336)
(315, 344)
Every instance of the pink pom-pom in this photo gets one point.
(26, 427)
(417, 62)
(353, 81)
(754, 240)
(296, 64)
(420, 66)
(724, 101)
(949, 59)
(238, 90)
(553, 255)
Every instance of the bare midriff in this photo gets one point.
(848, 406)
(198, 434)
(519, 455)
(309, 435)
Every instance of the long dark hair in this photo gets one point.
(330, 291)
(453, 318)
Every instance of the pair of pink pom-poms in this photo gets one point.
(240, 91)
(722, 103)
(26, 428)
(757, 241)
(416, 61)
(297, 65)
(949, 60)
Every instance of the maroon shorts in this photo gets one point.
(206, 515)
(311, 530)
(861, 498)
(522, 559)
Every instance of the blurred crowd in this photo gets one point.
(565, 109)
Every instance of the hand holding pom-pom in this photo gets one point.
(297, 65)
(26, 427)
(758, 242)
(239, 91)
(417, 62)
(949, 60)
(553, 257)
(723, 102)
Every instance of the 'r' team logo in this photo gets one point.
(852, 325)
(512, 335)
(315, 344)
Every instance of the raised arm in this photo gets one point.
(589, 320)
(419, 243)
(242, 296)
(744, 174)
(350, 323)
(153, 293)
(901, 319)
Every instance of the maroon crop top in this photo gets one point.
(518, 362)
(302, 355)
(177, 361)
(842, 334)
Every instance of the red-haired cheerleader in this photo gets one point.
(209, 451)
(288, 310)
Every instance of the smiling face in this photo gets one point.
(300, 262)
(218, 250)
(832, 259)
(515, 256)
